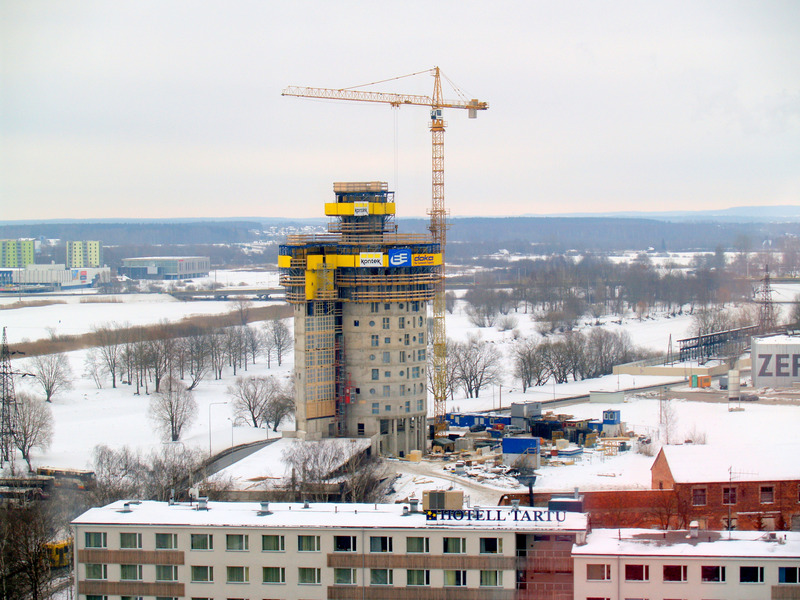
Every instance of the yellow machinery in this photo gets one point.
(438, 212)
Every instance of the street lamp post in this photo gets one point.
(209, 424)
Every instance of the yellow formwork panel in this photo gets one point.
(345, 209)
(284, 261)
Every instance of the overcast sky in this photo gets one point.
(174, 108)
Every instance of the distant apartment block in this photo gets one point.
(84, 254)
(16, 254)
(165, 267)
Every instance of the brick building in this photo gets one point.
(753, 488)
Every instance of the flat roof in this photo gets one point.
(293, 515)
(733, 544)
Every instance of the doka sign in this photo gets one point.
(370, 259)
(360, 209)
(399, 257)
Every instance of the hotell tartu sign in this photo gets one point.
(496, 515)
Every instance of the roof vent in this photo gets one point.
(126, 508)
(413, 504)
(694, 530)
(264, 510)
(202, 504)
(406, 511)
(306, 504)
(515, 504)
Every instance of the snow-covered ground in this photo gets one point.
(86, 416)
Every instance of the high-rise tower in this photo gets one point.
(360, 296)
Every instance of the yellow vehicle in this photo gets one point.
(59, 554)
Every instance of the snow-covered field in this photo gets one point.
(86, 416)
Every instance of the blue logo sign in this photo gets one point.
(400, 257)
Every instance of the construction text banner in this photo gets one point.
(370, 259)
(423, 260)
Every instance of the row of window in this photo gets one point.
(679, 573)
(413, 372)
(374, 339)
(240, 542)
(729, 495)
(411, 306)
(402, 322)
(305, 575)
(386, 357)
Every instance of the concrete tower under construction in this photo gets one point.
(360, 296)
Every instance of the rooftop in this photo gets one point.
(759, 462)
(329, 515)
(646, 542)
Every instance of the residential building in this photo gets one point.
(360, 295)
(16, 254)
(343, 551)
(165, 267)
(83, 254)
(627, 564)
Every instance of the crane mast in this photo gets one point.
(438, 212)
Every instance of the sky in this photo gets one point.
(173, 108)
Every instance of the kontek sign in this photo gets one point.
(497, 515)
(370, 259)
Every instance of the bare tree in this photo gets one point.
(118, 474)
(242, 307)
(280, 337)
(52, 372)
(280, 405)
(530, 363)
(171, 470)
(216, 353)
(250, 397)
(93, 368)
(24, 568)
(110, 339)
(173, 408)
(478, 365)
(252, 343)
(33, 425)
(197, 349)
(668, 421)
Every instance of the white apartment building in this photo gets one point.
(641, 564)
(251, 551)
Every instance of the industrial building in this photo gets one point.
(776, 361)
(16, 254)
(39, 278)
(165, 267)
(360, 295)
(83, 254)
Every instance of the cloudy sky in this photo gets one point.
(173, 108)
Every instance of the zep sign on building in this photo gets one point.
(776, 361)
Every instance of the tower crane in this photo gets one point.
(438, 212)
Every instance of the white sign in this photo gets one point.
(360, 209)
(370, 259)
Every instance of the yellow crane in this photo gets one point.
(438, 212)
